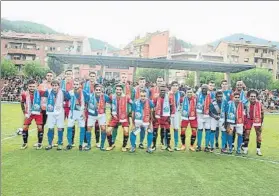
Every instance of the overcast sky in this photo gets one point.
(119, 22)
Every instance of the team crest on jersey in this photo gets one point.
(91, 105)
(232, 115)
(184, 113)
(50, 107)
(138, 115)
(113, 107)
(36, 106)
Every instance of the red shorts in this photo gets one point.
(193, 123)
(155, 123)
(164, 122)
(114, 122)
(67, 111)
(38, 119)
(248, 124)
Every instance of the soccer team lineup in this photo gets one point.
(220, 120)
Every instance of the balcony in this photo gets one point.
(259, 55)
(267, 65)
(268, 56)
(18, 62)
(22, 51)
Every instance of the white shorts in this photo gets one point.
(203, 122)
(175, 121)
(57, 120)
(77, 116)
(138, 126)
(216, 123)
(238, 128)
(92, 120)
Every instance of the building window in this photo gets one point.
(52, 48)
(37, 47)
(236, 49)
(6, 45)
(264, 60)
(256, 50)
(46, 48)
(233, 48)
(78, 49)
(246, 49)
(58, 49)
(246, 60)
(16, 57)
(265, 51)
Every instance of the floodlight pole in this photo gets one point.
(197, 78)
(228, 78)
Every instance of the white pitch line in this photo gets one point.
(250, 158)
(6, 138)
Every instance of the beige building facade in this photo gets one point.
(245, 52)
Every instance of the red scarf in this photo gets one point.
(101, 105)
(137, 92)
(122, 109)
(146, 112)
(257, 113)
(127, 90)
(206, 104)
(155, 90)
(158, 108)
(192, 109)
(239, 113)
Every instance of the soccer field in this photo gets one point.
(39, 172)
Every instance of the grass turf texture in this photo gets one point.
(31, 172)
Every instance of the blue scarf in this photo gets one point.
(243, 97)
(114, 105)
(63, 85)
(223, 109)
(185, 109)
(92, 106)
(138, 111)
(36, 106)
(50, 102)
(231, 117)
(200, 104)
(86, 87)
(73, 102)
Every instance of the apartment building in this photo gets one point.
(22, 47)
(263, 56)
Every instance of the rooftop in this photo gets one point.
(112, 61)
(36, 36)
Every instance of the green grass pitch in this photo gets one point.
(31, 172)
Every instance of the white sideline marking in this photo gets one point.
(6, 138)
(250, 158)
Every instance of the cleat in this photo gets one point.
(176, 149)
(39, 147)
(198, 149)
(69, 147)
(217, 145)
(87, 148)
(102, 149)
(84, 145)
(141, 146)
(98, 145)
(211, 150)
(55, 145)
(35, 145)
(133, 149)
(169, 149)
(224, 151)
(206, 149)
(245, 150)
(238, 153)
(80, 147)
(259, 153)
(163, 147)
(153, 148)
(183, 147)
(24, 146)
(124, 149)
(59, 147)
(109, 148)
(49, 147)
(192, 149)
(149, 150)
